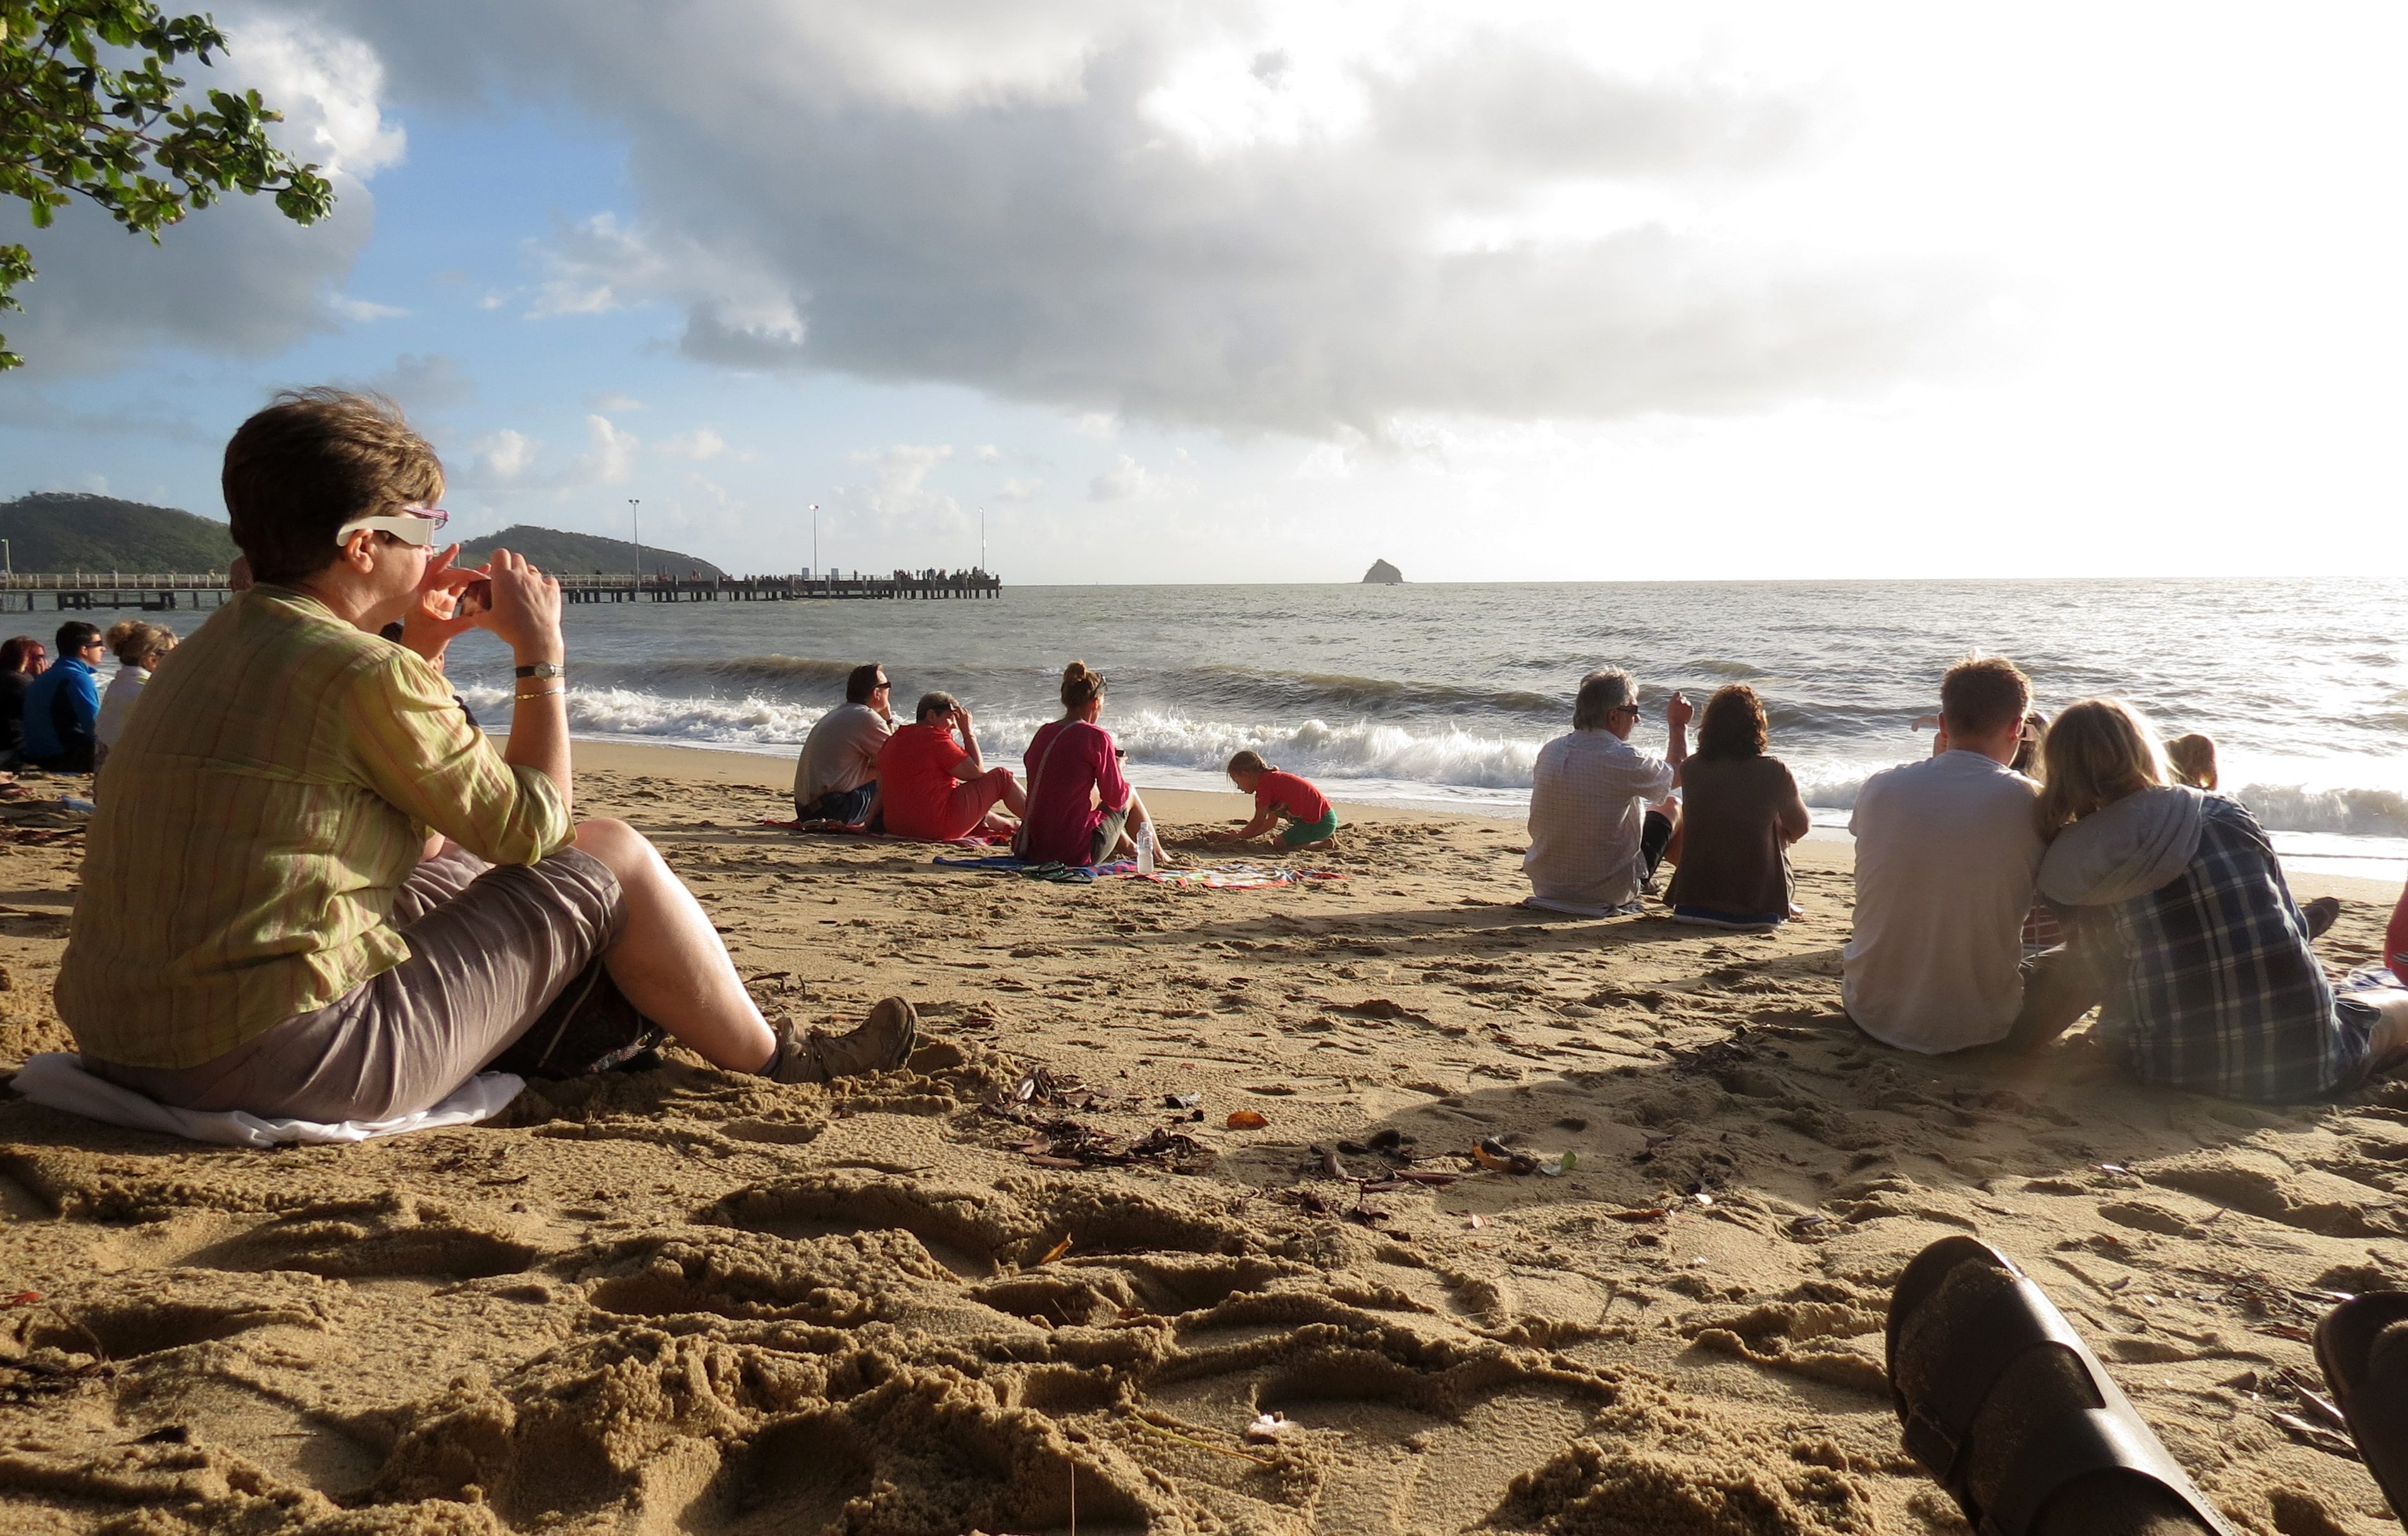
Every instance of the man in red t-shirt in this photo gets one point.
(938, 788)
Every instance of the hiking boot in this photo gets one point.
(881, 1044)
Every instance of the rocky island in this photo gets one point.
(1383, 574)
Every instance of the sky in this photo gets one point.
(1222, 291)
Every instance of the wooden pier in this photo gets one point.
(74, 592)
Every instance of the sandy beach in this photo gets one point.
(1038, 1282)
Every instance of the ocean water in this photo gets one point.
(1442, 694)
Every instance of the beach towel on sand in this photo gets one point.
(57, 1080)
(1061, 874)
(1217, 876)
(837, 829)
(1236, 876)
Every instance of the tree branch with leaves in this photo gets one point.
(88, 108)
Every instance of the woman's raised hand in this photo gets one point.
(526, 612)
(438, 617)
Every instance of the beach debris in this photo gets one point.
(1038, 1086)
(1389, 1139)
(1182, 1100)
(1703, 1198)
(2305, 1390)
(1074, 1145)
(1381, 1007)
(1490, 1153)
(1055, 1251)
(1330, 1165)
(1477, 1221)
(1645, 1212)
(1144, 1423)
(1271, 1426)
(2316, 1436)
(1424, 1175)
(1555, 1167)
(24, 1299)
(1248, 1119)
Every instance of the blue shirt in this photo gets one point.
(61, 710)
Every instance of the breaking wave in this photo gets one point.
(1435, 756)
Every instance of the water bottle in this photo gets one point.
(1145, 849)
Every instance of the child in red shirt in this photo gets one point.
(1278, 797)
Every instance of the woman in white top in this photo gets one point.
(139, 647)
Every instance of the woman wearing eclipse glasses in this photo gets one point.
(315, 891)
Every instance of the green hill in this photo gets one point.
(69, 531)
(56, 531)
(583, 554)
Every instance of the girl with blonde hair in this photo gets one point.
(137, 647)
(2188, 931)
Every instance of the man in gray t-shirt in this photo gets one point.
(1947, 854)
(836, 777)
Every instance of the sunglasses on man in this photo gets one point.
(418, 524)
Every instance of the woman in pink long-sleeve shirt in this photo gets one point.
(1081, 810)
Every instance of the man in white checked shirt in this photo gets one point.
(1601, 816)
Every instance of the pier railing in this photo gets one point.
(162, 590)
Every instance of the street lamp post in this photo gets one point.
(637, 525)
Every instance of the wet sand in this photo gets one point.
(682, 1302)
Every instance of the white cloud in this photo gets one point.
(502, 456)
(610, 456)
(237, 278)
(613, 402)
(362, 309)
(1297, 219)
(897, 496)
(427, 382)
(327, 85)
(1129, 481)
(699, 444)
(989, 453)
(1019, 489)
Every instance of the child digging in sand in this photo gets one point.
(1278, 797)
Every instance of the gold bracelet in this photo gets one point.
(541, 693)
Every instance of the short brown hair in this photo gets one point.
(1733, 726)
(1983, 694)
(939, 705)
(862, 681)
(313, 460)
(1082, 686)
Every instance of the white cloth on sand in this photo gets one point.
(56, 1079)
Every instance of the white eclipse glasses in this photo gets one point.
(418, 525)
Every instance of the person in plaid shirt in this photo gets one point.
(2197, 949)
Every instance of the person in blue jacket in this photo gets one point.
(62, 705)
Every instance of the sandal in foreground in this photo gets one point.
(883, 1042)
(1962, 1318)
(2362, 1348)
